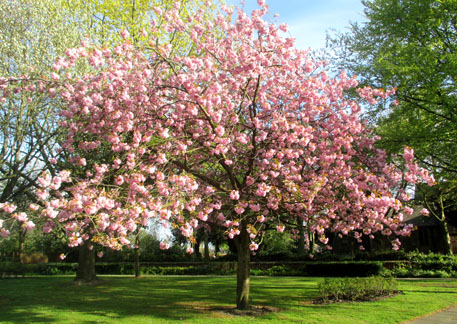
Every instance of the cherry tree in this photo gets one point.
(244, 132)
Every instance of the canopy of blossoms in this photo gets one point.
(245, 132)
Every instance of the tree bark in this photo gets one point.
(86, 264)
(447, 247)
(311, 241)
(244, 268)
(20, 256)
(197, 253)
(137, 256)
(206, 241)
(301, 240)
(446, 239)
(137, 262)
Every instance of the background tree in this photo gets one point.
(108, 18)
(411, 46)
(34, 34)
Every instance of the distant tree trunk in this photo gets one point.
(198, 255)
(86, 264)
(311, 242)
(439, 214)
(446, 237)
(447, 247)
(217, 249)
(137, 256)
(301, 240)
(22, 233)
(441, 217)
(206, 242)
(244, 268)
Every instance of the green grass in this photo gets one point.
(201, 299)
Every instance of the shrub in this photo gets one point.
(355, 289)
(11, 269)
(432, 265)
(278, 270)
(34, 258)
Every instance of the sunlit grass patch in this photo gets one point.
(206, 299)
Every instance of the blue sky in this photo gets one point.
(309, 20)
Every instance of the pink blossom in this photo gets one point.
(125, 34)
(34, 207)
(408, 210)
(424, 211)
(283, 28)
(254, 207)
(21, 217)
(81, 162)
(220, 131)
(408, 154)
(29, 225)
(4, 233)
(239, 210)
(164, 133)
(8, 208)
(253, 246)
(261, 218)
(47, 229)
(221, 217)
(234, 195)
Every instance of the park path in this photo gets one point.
(446, 316)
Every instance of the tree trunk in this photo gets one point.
(197, 253)
(244, 268)
(446, 237)
(301, 240)
(447, 247)
(20, 256)
(137, 256)
(137, 262)
(86, 264)
(206, 241)
(311, 242)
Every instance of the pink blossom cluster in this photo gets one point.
(19, 217)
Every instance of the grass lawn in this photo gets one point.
(202, 299)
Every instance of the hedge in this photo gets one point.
(422, 267)
(340, 269)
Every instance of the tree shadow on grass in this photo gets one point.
(55, 299)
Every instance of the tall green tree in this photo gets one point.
(410, 45)
(141, 18)
(32, 35)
